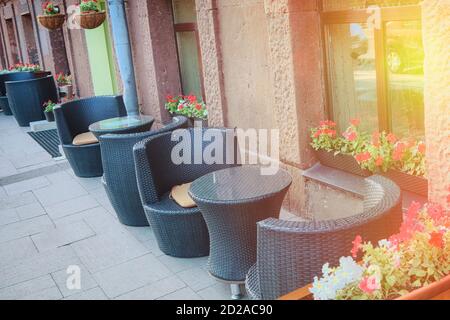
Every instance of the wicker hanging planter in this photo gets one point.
(90, 20)
(52, 22)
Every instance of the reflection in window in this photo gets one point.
(185, 24)
(352, 75)
(404, 58)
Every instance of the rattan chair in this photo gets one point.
(27, 97)
(11, 76)
(291, 253)
(180, 232)
(73, 118)
(119, 178)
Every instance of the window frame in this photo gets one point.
(387, 14)
(190, 27)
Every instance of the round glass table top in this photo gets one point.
(243, 183)
(121, 123)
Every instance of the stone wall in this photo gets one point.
(436, 38)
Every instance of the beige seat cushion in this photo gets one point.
(84, 138)
(181, 196)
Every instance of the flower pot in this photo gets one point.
(342, 162)
(52, 22)
(194, 123)
(41, 74)
(49, 116)
(418, 185)
(66, 90)
(439, 290)
(90, 20)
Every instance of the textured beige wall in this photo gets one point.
(246, 70)
(436, 37)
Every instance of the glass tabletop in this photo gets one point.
(239, 184)
(121, 123)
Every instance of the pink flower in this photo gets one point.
(350, 136)
(355, 122)
(356, 246)
(435, 212)
(391, 138)
(369, 284)
(421, 147)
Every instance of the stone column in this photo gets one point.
(299, 103)
(436, 39)
(207, 25)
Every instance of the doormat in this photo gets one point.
(49, 140)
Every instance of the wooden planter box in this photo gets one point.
(342, 162)
(52, 22)
(418, 185)
(439, 290)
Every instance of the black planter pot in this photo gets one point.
(49, 116)
(342, 162)
(197, 123)
(418, 185)
(4, 105)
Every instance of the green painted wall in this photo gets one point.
(101, 59)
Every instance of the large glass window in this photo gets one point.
(375, 64)
(185, 25)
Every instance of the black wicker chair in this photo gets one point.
(119, 178)
(11, 76)
(73, 118)
(291, 253)
(27, 97)
(180, 232)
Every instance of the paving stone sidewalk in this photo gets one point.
(51, 220)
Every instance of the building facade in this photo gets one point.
(272, 64)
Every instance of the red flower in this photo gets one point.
(362, 157)
(379, 161)
(355, 122)
(180, 107)
(191, 98)
(398, 151)
(317, 133)
(436, 240)
(391, 138)
(327, 123)
(421, 147)
(198, 107)
(356, 246)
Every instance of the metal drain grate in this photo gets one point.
(48, 140)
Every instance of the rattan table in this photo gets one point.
(127, 124)
(232, 201)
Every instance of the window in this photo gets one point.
(30, 41)
(185, 25)
(375, 64)
(11, 37)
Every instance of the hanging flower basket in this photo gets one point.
(52, 22)
(90, 20)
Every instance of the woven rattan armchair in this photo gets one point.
(119, 178)
(291, 253)
(180, 232)
(73, 118)
(27, 97)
